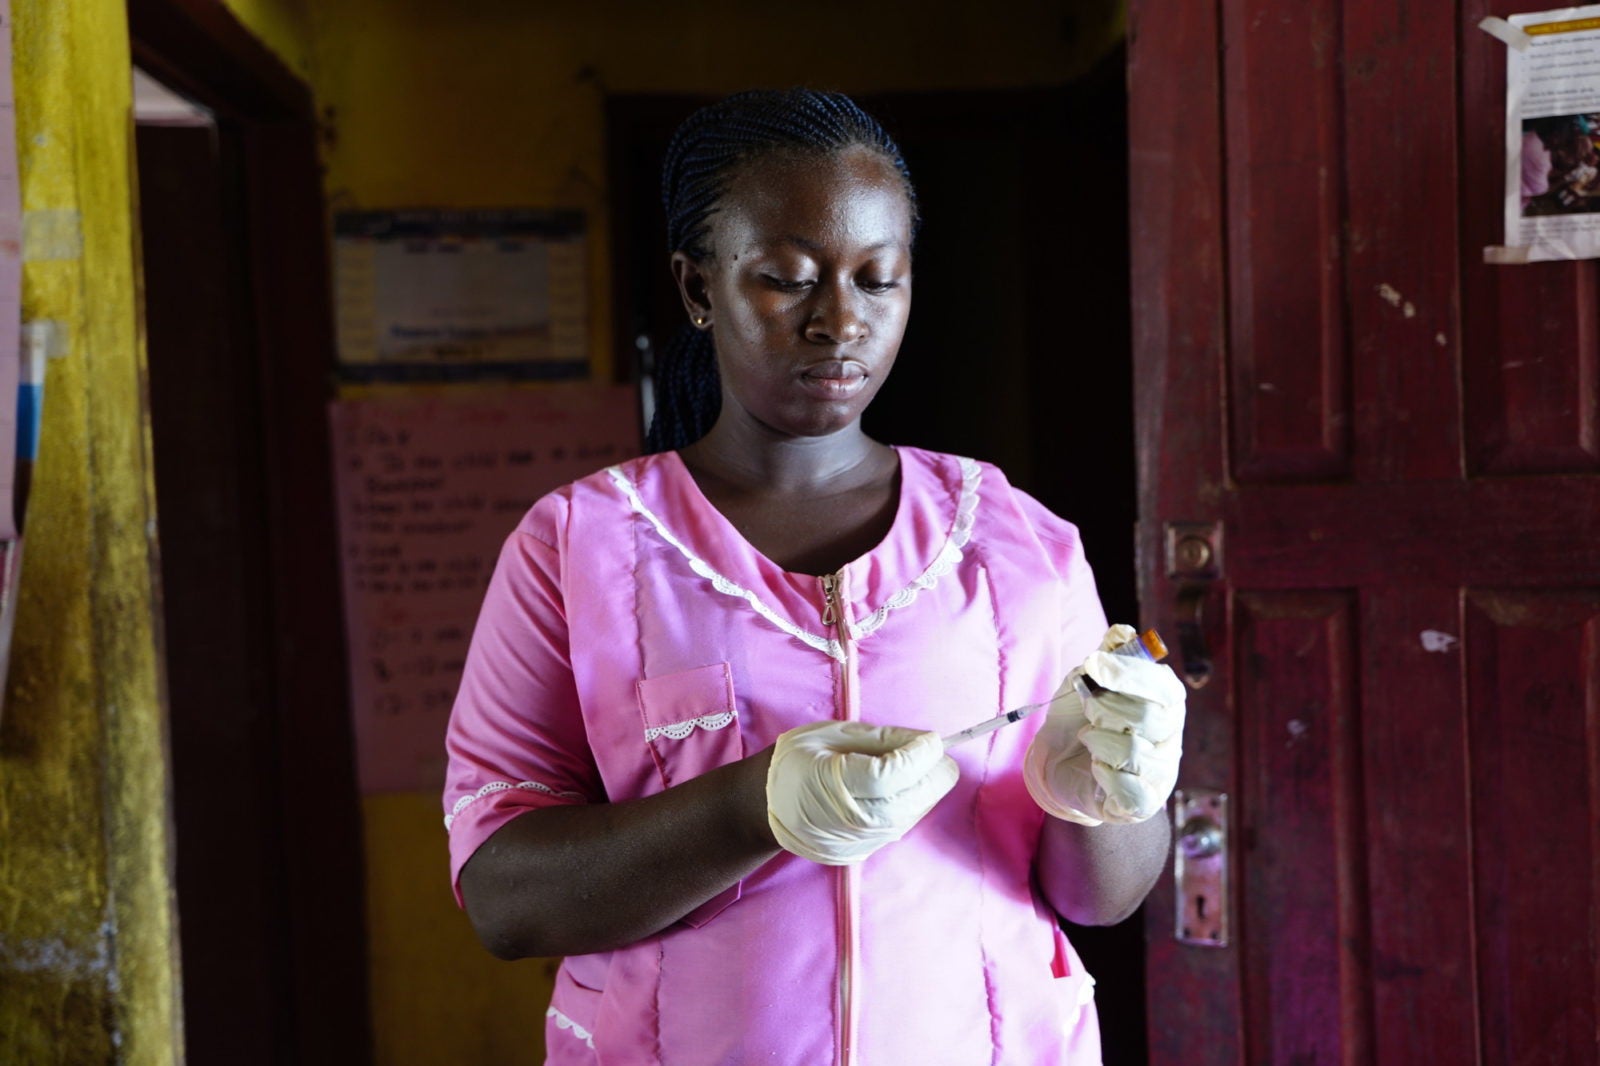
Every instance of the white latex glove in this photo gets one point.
(838, 791)
(1112, 758)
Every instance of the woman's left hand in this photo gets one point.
(1113, 757)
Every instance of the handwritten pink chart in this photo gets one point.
(429, 486)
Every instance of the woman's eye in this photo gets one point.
(787, 284)
(876, 285)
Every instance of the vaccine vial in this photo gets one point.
(1146, 645)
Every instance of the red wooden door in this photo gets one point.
(1402, 448)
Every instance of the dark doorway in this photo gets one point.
(239, 339)
(1019, 346)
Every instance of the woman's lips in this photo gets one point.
(834, 380)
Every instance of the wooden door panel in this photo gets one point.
(1495, 531)
(1532, 376)
(1286, 348)
(1298, 823)
(1534, 676)
(1401, 222)
(1414, 773)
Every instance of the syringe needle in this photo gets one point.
(989, 725)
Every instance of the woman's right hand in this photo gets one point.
(838, 791)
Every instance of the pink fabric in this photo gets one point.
(610, 662)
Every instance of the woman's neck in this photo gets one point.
(810, 505)
(752, 459)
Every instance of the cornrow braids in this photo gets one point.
(701, 161)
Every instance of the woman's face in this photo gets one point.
(807, 288)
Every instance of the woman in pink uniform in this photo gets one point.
(696, 749)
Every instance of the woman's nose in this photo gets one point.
(836, 318)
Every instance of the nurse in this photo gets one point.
(696, 749)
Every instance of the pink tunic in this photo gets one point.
(632, 639)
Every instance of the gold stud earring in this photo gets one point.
(700, 320)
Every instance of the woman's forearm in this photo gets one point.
(574, 880)
(1099, 875)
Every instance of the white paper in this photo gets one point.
(1552, 202)
(461, 295)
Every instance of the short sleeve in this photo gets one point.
(516, 740)
(1083, 617)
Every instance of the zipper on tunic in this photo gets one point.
(848, 883)
(830, 599)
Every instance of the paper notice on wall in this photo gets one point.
(429, 487)
(437, 295)
(1552, 200)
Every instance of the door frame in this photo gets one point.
(269, 134)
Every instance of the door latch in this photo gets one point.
(1194, 564)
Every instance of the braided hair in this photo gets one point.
(702, 159)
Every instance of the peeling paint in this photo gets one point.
(51, 234)
(56, 955)
(1435, 641)
(1390, 294)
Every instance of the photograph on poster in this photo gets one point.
(1561, 165)
(1552, 191)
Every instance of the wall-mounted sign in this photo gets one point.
(430, 295)
(429, 487)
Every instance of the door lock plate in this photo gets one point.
(1200, 866)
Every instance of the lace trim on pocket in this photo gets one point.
(679, 730)
(563, 1022)
(500, 786)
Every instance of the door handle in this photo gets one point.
(1200, 866)
(1194, 561)
(1194, 658)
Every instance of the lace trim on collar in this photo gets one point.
(949, 556)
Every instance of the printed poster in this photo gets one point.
(433, 295)
(1552, 202)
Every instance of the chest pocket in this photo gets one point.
(690, 722)
(691, 726)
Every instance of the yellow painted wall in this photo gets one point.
(87, 957)
(494, 103)
(283, 26)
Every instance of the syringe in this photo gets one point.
(973, 732)
(1146, 645)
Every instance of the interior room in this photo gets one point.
(1225, 286)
